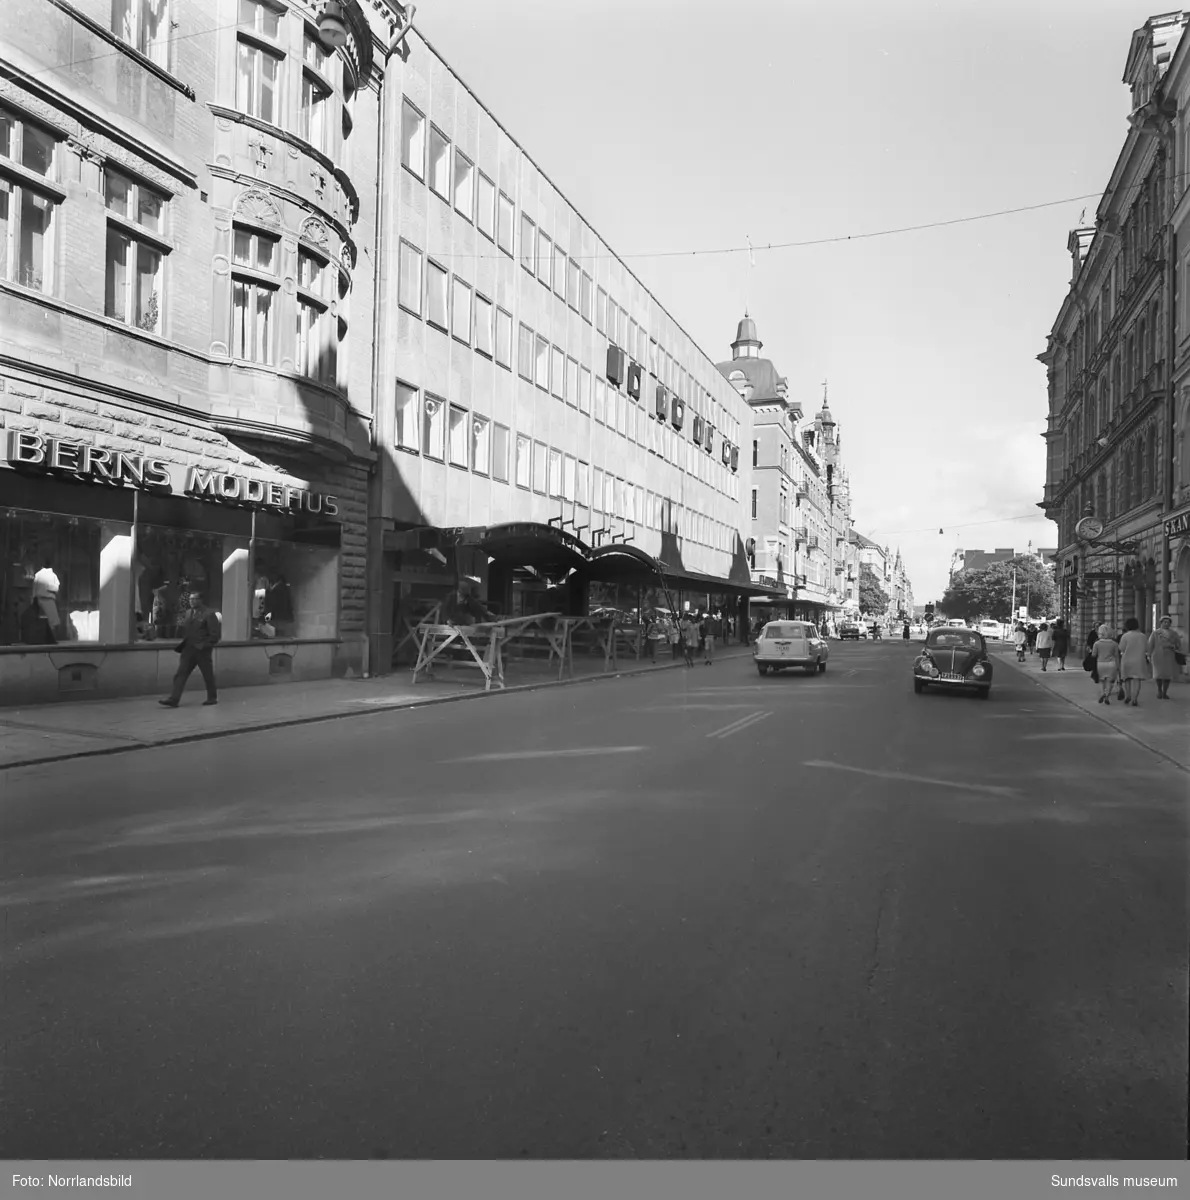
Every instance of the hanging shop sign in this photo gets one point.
(123, 468)
(1179, 525)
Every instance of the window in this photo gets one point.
(506, 215)
(582, 492)
(557, 372)
(568, 473)
(295, 588)
(440, 163)
(26, 216)
(755, 451)
(405, 433)
(600, 400)
(464, 185)
(525, 353)
(413, 140)
(483, 325)
(633, 353)
(545, 249)
(500, 453)
(461, 311)
(572, 382)
(597, 489)
(528, 243)
(559, 271)
(143, 24)
(480, 444)
(254, 257)
(555, 473)
(409, 278)
(317, 344)
(314, 122)
(433, 428)
(541, 373)
(261, 18)
(601, 310)
(524, 463)
(485, 215)
(539, 467)
(585, 297)
(504, 338)
(437, 299)
(459, 442)
(584, 391)
(132, 291)
(572, 285)
(612, 322)
(258, 76)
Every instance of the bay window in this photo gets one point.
(258, 81)
(317, 344)
(315, 125)
(254, 293)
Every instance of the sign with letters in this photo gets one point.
(125, 468)
(1179, 525)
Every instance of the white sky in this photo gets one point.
(676, 125)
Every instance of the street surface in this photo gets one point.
(690, 914)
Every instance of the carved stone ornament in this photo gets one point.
(313, 230)
(221, 265)
(259, 207)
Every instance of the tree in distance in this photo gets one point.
(987, 591)
(873, 599)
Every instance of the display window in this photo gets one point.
(169, 564)
(49, 592)
(295, 590)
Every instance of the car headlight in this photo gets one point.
(980, 671)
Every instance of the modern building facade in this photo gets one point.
(186, 281)
(799, 507)
(1109, 359)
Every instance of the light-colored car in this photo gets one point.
(955, 623)
(784, 644)
(991, 629)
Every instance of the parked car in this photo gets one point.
(954, 658)
(849, 629)
(955, 623)
(784, 644)
(991, 629)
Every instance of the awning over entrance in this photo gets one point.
(545, 548)
(621, 563)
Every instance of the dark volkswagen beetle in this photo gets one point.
(954, 658)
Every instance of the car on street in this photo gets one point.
(956, 623)
(991, 629)
(849, 629)
(956, 659)
(784, 644)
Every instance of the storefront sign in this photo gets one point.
(88, 462)
(1178, 526)
(130, 469)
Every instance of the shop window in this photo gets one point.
(406, 427)
(409, 278)
(464, 185)
(433, 428)
(461, 310)
(440, 163)
(504, 338)
(26, 213)
(500, 439)
(295, 590)
(506, 215)
(524, 462)
(49, 590)
(483, 324)
(169, 564)
(144, 25)
(437, 297)
(480, 444)
(413, 140)
(485, 206)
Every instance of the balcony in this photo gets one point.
(800, 533)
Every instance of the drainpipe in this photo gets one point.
(1171, 258)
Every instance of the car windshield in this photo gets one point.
(954, 639)
(784, 631)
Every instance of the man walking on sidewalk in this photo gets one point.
(712, 630)
(1061, 640)
(201, 632)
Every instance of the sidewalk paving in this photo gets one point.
(48, 732)
(1162, 726)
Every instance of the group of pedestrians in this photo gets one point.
(1121, 662)
(690, 634)
(1051, 643)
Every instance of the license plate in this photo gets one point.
(951, 677)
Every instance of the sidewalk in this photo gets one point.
(1162, 726)
(48, 732)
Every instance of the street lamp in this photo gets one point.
(332, 25)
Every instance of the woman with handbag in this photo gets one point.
(1106, 653)
(1061, 638)
(1134, 661)
(1166, 654)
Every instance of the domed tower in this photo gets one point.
(746, 344)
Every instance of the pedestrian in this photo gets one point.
(1134, 661)
(689, 639)
(712, 632)
(1045, 644)
(1061, 640)
(1031, 637)
(905, 632)
(650, 635)
(201, 632)
(1106, 652)
(674, 632)
(1020, 639)
(1092, 638)
(1167, 655)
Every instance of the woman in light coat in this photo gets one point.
(1134, 661)
(1045, 644)
(1165, 643)
(1107, 663)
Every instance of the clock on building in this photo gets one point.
(1089, 528)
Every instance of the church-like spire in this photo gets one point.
(747, 343)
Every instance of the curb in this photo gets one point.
(261, 727)
(1097, 717)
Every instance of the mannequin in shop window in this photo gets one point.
(278, 606)
(46, 587)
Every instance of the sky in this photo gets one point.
(682, 125)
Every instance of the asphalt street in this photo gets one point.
(691, 914)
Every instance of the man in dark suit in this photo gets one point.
(201, 632)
